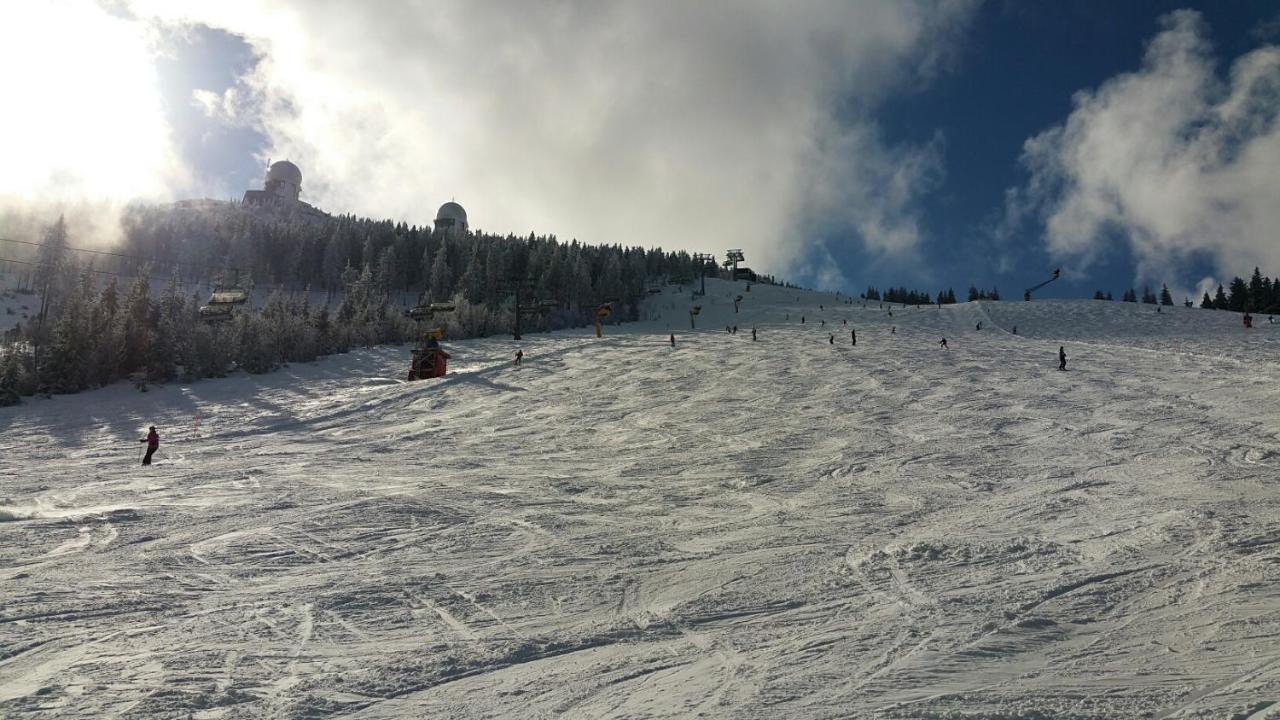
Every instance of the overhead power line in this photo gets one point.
(105, 252)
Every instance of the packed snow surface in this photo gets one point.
(786, 528)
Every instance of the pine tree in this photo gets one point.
(1220, 299)
(472, 283)
(67, 367)
(1097, 295)
(134, 322)
(1206, 302)
(106, 338)
(10, 372)
(169, 347)
(48, 281)
(1258, 291)
(1165, 297)
(441, 287)
(1238, 296)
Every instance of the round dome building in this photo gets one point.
(451, 217)
(284, 180)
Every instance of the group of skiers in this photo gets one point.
(853, 336)
(152, 439)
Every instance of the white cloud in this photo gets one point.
(1171, 158)
(83, 128)
(701, 125)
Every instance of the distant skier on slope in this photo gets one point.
(753, 334)
(153, 443)
(978, 326)
(801, 319)
(943, 344)
(853, 335)
(1062, 358)
(519, 357)
(673, 339)
(1015, 329)
(832, 340)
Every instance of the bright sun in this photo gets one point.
(83, 117)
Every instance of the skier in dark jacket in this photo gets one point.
(832, 339)
(1062, 358)
(753, 334)
(519, 357)
(673, 339)
(943, 344)
(153, 443)
(853, 334)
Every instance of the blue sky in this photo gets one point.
(1018, 67)
(927, 143)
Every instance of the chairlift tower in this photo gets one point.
(734, 256)
(703, 260)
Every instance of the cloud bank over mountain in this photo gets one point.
(695, 125)
(1172, 160)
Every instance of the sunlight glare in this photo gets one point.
(83, 115)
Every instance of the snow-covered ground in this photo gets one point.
(779, 529)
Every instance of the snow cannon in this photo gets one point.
(429, 359)
(1026, 294)
(602, 312)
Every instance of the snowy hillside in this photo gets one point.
(786, 528)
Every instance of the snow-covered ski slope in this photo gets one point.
(779, 529)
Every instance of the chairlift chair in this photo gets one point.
(222, 303)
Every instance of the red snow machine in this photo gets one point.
(429, 359)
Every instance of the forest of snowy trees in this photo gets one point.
(132, 312)
(1260, 294)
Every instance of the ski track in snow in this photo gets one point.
(783, 528)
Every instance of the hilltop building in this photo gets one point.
(451, 218)
(281, 190)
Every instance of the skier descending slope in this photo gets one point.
(1062, 358)
(153, 443)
